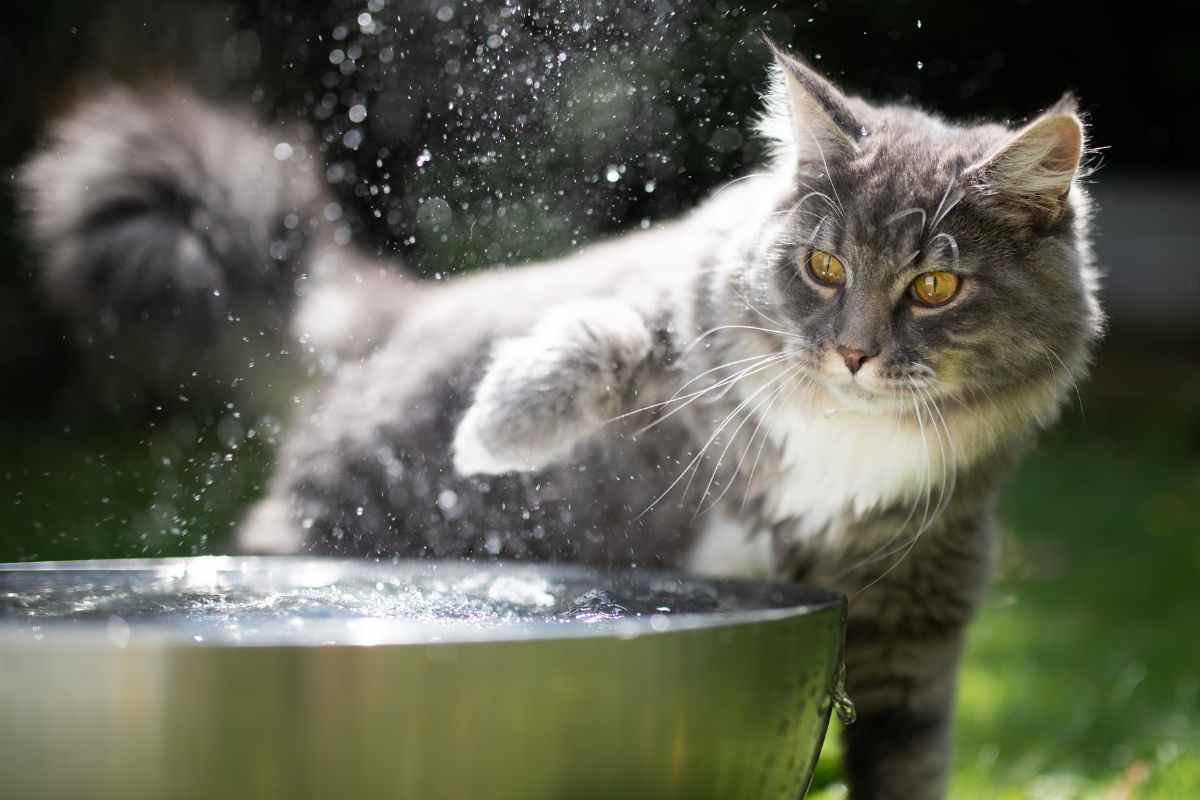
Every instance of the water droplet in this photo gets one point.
(358, 112)
(447, 499)
(283, 151)
(842, 704)
(613, 174)
(920, 65)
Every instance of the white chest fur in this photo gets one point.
(834, 467)
(837, 465)
(841, 463)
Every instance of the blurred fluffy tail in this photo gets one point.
(165, 223)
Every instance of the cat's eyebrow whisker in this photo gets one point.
(908, 212)
(943, 209)
(828, 174)
(835, 207)
(950, 240)
(816, 231)
(796, 210)
(815, 192)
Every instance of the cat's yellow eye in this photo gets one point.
(826, 268)
(935, 288)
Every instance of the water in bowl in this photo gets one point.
(269, 601)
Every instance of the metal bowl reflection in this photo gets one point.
(305, 678)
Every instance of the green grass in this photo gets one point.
(1082, 674)
(87, 489)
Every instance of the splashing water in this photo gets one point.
(296, 601)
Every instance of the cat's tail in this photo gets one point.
(166, 224)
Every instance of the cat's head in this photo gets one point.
(915, 256)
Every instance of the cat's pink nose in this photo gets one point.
(853, 357)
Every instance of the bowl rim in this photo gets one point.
(795, 600)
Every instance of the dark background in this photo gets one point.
(662, 91)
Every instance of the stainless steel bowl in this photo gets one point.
(303, 678)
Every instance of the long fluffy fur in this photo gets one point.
(168, 227)
(688, 368)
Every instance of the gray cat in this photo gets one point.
(821, 374)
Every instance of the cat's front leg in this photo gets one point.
(545, 392)
(903, 644)
(903, 691)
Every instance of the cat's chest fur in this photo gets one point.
(838, 464)
(827, 471)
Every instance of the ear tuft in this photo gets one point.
(1033, 172)
(1067, 104)
(806, 116)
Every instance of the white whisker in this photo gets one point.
(950, 240)
(759, 411)
(908, 212)
(694, 463)
(761, 445)
(711, 331)
(943, 209)
(722, 388)
(736, 181)
(828, 174)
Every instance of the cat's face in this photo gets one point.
(926, 259)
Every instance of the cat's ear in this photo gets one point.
(1032, 173)
(806, 116)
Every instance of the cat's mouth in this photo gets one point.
(871, 391)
